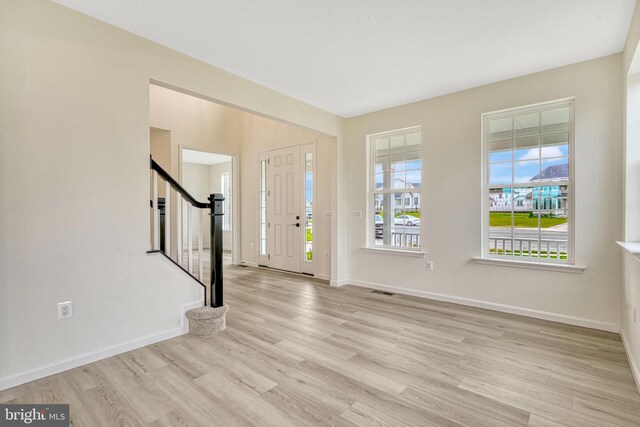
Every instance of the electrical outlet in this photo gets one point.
(428, 265)
(326, 254)
(356, 214)
(65, 310)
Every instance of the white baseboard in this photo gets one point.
(522, 311)
(249, 263)
(632, 362)
(74, 362)
(338, 283)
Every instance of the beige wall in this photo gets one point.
(451, 129)
(631, 284)
(75, 114)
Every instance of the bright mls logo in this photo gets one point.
(34, 415)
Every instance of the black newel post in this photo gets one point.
(215, 202)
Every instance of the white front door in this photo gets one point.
(285, 224)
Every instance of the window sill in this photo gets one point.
(401, 252)
(564, 268)
(632, 247)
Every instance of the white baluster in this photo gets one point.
(189, 239)
(167, 219)
(156, 214)
(200, 251)
(179, 203)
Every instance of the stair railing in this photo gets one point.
(185, 205)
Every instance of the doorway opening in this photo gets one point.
(203, 173)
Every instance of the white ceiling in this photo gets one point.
(203, 157)
(357, 56)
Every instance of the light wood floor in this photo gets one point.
(297, 352)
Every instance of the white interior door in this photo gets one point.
(285, 224)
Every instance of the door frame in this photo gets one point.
(306, 267)
(235, 191)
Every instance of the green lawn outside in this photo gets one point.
(503, 219)
(309, 254)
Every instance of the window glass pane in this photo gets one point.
(555, 151)
(377, 201)
(525, 221)
(399, 180)
(379, 181)
(555, 145)
(396, 144)
(413, 141)
(390, 201)
(499, 200)
(501, 128)
(500, 173)
(557, 138)
(527, 148)
(501, 156)
(555, 120)
(500, 220)
(405, 229)
(414, 178)
(381, 146)
(414, 165)
(555, 170)
(528, 124)
(397, 162)
(526, 171)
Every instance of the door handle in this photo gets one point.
(297, 224)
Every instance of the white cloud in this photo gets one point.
(533, 154)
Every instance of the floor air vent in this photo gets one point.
(382, 292)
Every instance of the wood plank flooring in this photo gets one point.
(297, 352)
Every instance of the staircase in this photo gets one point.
(210, 318)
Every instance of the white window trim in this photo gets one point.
(370, 223)
(403, 252)
(546, 264)
(533, 265)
